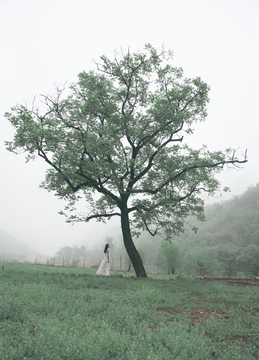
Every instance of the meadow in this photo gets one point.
(68, 313)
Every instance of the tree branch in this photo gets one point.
(187, 169)
(96, 216)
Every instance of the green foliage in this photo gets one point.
(227, 243)
(255, 269)
(201, 261)
(230, 271)
(168, 257)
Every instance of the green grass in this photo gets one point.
(69, 313)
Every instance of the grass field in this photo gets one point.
(69, 313)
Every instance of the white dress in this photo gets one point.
(104, 268)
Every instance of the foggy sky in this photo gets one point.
(49, 42)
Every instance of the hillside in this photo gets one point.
(13, 249)
(228, 241)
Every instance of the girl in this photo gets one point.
(104, 268)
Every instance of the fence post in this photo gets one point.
(120, 262)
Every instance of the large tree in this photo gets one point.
(116, 141)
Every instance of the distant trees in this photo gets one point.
(248, 258)
(167, 257)
(200, 261)
(213, 251)
(227, 243)
(217, 249)
(71, 255)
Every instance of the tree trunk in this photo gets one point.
(130, 247)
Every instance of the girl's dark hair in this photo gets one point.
(106, 247)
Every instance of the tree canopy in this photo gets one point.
(116, 141)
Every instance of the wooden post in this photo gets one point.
(2, 267)
(120, 262)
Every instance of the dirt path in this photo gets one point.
(232, 281)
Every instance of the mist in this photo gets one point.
(50, 42)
